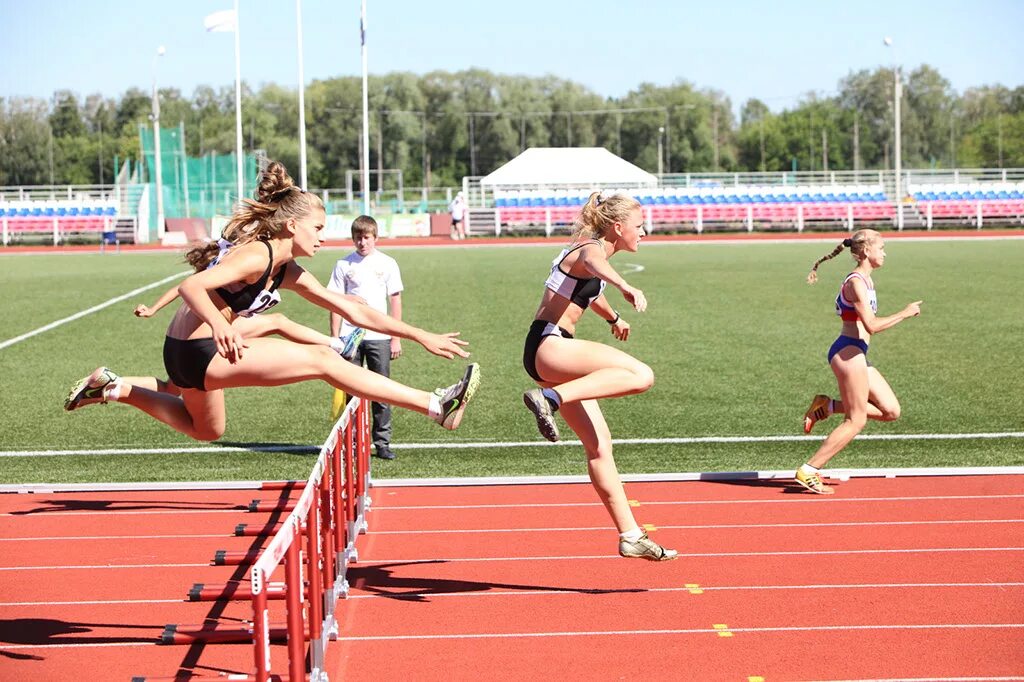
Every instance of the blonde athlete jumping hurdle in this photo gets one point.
(575, 373)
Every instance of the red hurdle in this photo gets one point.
(326, 518)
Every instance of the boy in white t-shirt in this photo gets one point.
(375, 278)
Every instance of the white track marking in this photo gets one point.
(132, 512)
(512, 444)
(89, 311)
(99, 566)
(697, 555)
(602, 557)
(95, 602)
(807, 499)
(541, 593)
(689, 631)
(714, 526)
(115, 537)
(630, 268)
(616, 590)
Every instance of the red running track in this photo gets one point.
(906, 578)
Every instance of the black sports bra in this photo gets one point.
(579, 290)
(253, 299)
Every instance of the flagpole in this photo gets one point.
(302, 101)
(366, 117)
(238, 103)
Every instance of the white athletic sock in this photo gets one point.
(807, 469)
(337, 344)
(632, 535)
(112, 393)
(434, 408)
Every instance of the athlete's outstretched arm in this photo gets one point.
(361, 315)
(143, 310)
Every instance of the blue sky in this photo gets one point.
(777, 51)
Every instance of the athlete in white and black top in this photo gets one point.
(574, 374)
(205, 354)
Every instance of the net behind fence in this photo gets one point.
(194, 187)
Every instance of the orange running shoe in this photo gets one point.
(818, 410)
(813, 483)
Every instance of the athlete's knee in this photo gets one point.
(208, 432)
(891, 411)
(857, 418)
(644, 376)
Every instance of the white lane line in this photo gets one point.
(595, 633)
(381, 507)
(697, 555)
(615, 557)
(101, 566)
(710, 526)
(22, 647)
(701, 587)
(597, 591)
(89, 311)
(807, 499)
(512, 444)
(571, 529)
(65, 538)
(95, 602)
(126, 512)
(688, 631)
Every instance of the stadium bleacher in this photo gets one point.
(667, 205)
(768, 205)
(62, 219)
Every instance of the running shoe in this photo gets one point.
(541, 408)
(350, 343)
(455, 398)
(645, 548)
(816, 412)
(91, 389)
(813, 483)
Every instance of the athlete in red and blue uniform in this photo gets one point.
(864, 392)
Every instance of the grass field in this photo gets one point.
(736, 339)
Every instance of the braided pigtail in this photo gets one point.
(812, 276)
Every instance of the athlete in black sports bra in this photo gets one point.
(205, 354)
(574, 373)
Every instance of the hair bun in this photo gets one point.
(274, 182)
(847, 243)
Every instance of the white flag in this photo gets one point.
(223, 20)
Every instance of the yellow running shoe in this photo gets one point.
(818, 410)
(813, 483)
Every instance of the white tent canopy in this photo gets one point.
(569, 167)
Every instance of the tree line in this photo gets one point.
(441, 126)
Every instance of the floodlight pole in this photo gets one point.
(366, 115)
(238, 105)
(302, 100)
(157, 160)
(897, 143)
(661, 133)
